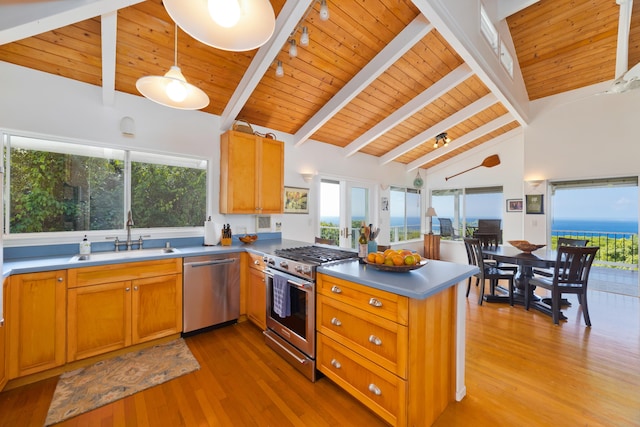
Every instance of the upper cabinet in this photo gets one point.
(251, 174)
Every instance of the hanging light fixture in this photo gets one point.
(442, 137)
(324, 10)
(293, 49)
(172, 89)
(234, 25)
(304, 36)
(279, 69)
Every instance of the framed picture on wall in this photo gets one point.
(514, 205)
(296, 200)
(535, 204)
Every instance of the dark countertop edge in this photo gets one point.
(34, 265)
(419, 284)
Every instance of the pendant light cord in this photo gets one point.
(175, 46)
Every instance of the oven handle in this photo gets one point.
(306, 286)
(298, 359)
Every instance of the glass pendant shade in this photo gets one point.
(255, 22)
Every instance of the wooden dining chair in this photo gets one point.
(487, 271)
(570, 276)
(562, 241)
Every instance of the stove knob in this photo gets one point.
(299, 269)
(284, 265)
(271, 261)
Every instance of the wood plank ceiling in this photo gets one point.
(376, 78)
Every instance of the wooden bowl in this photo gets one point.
(525, 246)
(248, 238)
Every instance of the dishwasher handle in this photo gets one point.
(212, 262)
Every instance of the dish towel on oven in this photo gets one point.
(281, 300)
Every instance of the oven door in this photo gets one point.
(299, 327)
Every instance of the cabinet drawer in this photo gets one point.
(377, 388)
(380, 340)
(87, 276)
(385, 304)
(256, 261)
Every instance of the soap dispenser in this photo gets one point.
(85, 246)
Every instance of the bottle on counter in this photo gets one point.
(85, 246)
(362, 246)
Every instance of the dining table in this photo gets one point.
(526, 262)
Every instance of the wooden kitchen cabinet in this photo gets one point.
(36, 322)
(115, 306)
(251, 174)
(256, 292)
(394, 354)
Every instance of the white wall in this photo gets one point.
(49, 105)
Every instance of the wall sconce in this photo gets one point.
(127, 126)
(442, 137)
(308, 177)
(535, 183)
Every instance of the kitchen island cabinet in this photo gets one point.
(36, 322)
(115, 306)
(251, 174)
(395, 341)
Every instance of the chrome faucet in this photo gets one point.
(129, 225)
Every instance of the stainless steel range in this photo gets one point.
(291, 327)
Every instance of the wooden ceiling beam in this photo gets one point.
(408, 37)
(287, 20)
(451, 121)
(109, 29)
(430, 94)
(40, 17)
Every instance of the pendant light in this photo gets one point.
(172, 89)
(235, 25)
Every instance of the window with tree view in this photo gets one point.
(56, 186)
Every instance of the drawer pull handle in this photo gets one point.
(256, 262)
(127, 289)
(375, 302)
(335, 364)
(336, 290)
(375, 340)
(336, 322)
(375, 390)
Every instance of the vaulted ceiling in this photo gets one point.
(380, 77)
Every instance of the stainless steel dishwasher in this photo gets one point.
(211, 290)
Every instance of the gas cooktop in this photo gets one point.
(315, 254)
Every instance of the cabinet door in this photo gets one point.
(36, 322)
(271, 177)
(238, 173)
(156, 307)
(98, 319)
(257, 299)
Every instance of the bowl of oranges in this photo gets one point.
(399, 260)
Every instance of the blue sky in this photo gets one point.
(616, 203)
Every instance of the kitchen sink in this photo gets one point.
(136, 253)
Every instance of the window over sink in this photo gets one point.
(58, 186)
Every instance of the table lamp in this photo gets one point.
(431, 213)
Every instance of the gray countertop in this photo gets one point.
(419, 284)
(428, 280)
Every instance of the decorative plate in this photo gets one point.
(397, 268)
(525, 246)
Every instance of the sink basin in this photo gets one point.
(108, 256)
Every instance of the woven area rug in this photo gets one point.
(88, 388)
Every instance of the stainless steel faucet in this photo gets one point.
(129, 225)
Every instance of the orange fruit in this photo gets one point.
(379, 258)
(417, 256)
(397, 259)
(409, 260)
(388, 252)
(388, 261)
(405, 252)
(371, 257)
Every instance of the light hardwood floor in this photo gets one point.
(521, 371)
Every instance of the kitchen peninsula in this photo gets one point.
(395, 341)
(412, 324)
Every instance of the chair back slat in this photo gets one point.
(573, 264)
